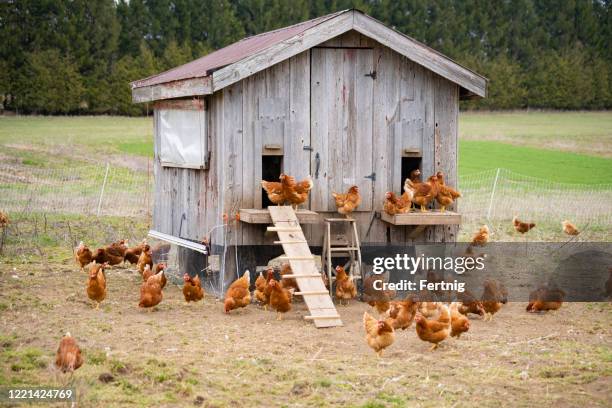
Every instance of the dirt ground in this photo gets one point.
(195, 355)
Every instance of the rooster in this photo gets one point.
(68, 357)
(379, 334)
(347, 202)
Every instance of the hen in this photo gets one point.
(378, 334)
(112, 254)
(378, 299)
(260, 287)
(280, 298)
(545, 299)
(96, 284)
(300, 191)
(274, 189)
(481, 237)
(68, 357)
(287, 283)
(401, 313)
(238, 294)
(345, 287)
(424, 193)
(151, 291)
(132, 254)
(145, 259)
(349, 201)
(459, 322)
(520, 226)
(192, 289)
(446, 196)
(436, 327)
(569, 228)
(394, 205)
(147, 273)
(4, 219)
(470, 304)
(160, 267)
(493, 296)
(83, 255)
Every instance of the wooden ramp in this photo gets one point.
(291, 237)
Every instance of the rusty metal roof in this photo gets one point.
(204, 66)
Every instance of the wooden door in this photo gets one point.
(341, 124)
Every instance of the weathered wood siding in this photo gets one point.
(401, 108)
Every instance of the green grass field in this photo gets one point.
(570, 147)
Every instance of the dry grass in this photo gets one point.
(183, 354)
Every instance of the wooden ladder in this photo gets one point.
(349, 248)
(310, 282)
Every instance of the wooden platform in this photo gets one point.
(310, 282)
(434, 217)
(255, 216)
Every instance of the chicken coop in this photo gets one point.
(341, 98)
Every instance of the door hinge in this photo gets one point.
(372, 74)
(371, 176)
(309, 148)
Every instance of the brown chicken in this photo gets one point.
(68, 357)
(238, 294)
(145, 259)
(446, 195)
(520, 226)
(569, 228)
(545, 299)
(493, 297)
(481, 237)
(132, 254)
(280, 298)
(96, 284)
(378, 299)
(192, 289)
(424, 193)
(300, 191)
(288, 283)
(160, 267)
(112, 254)
(435, 328)
(459, 322)
(83, 255)
(260, 287)
(151, 291)
(274, 189)
(4, 220)
(470, 304)
(401, 313)
(415, 176)
(378, 334)
(394, 205)
(347, 202)
(345, 287)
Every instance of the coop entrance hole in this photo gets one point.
(409, 164)
(271, 168)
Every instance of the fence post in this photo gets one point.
(102, 190)
(492, 195)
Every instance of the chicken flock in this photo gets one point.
(434, 321)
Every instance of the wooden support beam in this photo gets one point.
(284, 229)
(290, 242)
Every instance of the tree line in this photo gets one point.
(78, 56)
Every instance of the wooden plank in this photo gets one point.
(421, 54)
(175, 89)
(316, 297)
(427, 218)
(262, 216)
(276, 53)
